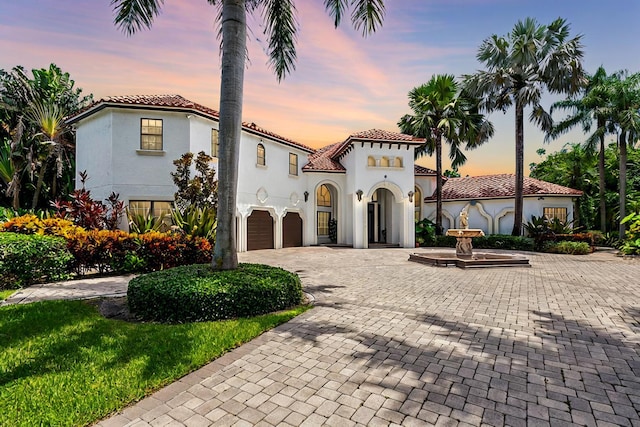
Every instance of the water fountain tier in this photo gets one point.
(464, 236)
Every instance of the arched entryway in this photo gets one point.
(326, 209)
(259, 230)
(291, 230)
(380, 212)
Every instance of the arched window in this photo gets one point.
(384, 162)
(371, 161)
(261, 155)
(324, 196)
(397, 162)
(417, 200)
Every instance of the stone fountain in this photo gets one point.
(464, 257)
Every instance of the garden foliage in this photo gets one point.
(568, 247)
(29, 259)
(631, 244)
(198, 293)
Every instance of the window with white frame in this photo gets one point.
(293, 164)
(551, 213)
(215, 143)
(261, 158)
(151, 134)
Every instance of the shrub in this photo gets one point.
(425, 232)
(631, 243)
(28, 259)
(503, 241)
(145, 222)
(195, 221)
(568, 247)
(198, 293)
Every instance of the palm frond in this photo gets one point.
(336, 9)
(135, 15)
(281, 28)
(367, 15)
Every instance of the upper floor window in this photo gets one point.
(324, 196)
(151, 134)
(397, 162)
(293, 164)
(215, 143)
(371, 161)
(384, 162)
(551, 213)
(261, 155)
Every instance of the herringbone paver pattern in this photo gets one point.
(397, 343)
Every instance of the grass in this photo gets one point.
(63, 364)
(4, 294)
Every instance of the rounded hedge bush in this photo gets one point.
(195, 293)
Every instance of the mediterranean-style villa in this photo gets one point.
(289, 193)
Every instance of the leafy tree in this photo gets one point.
(520, 67)
(591, 106)
(280, 27)
(201, 190)
(625, 116)
(442, 111)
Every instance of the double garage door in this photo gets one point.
(260, 230)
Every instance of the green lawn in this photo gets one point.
(6, 294)
(63, 364)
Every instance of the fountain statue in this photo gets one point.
(464, 235)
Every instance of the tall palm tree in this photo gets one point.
(441, 111)
(592, 105)
(281, 28)
(520, 67)
(625, 114)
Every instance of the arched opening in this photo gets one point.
(326, 198)
(397, 162)
(291, 230)
(371, 161)
(384, 162)
(380, 212)
(261, 158)
(417, 202)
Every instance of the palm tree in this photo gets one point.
(281, 27)
(442, 111)
(625, 115)
(520, 67)
(591, 105)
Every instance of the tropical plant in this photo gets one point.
(631, 243)
(521, 66)
(196, 222)
(144, 222)
(280, 27)
(441, 111)
(425, 232)
(589, 106)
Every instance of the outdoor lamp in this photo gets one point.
(306, 196)
(411, 193)
(359, 194)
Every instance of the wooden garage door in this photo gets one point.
(291, 230)
(259, 231)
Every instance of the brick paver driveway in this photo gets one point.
(394, 342)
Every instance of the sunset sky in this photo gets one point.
(342, 84)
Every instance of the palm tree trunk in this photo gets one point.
(623, 183)
(439, 185)
(234, 39)
(602, 184)
(519, 184)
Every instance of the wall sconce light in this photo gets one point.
(306, 196)
(410, 194)
(359, 193)
(189, 116)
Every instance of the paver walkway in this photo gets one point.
(395, 342)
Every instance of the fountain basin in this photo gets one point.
(446, 259)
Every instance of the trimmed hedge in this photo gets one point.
(196, 293)
(29, 259)
(568, 247)
(491, 241)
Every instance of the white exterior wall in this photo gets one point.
(495, 216)
(94, 154)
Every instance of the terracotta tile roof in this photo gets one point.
(422, 171)
(498, 186)
(322, 161)
(375, 135)
(177, 102)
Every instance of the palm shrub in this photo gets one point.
(196, 222)
(144, 222)
(29, 259)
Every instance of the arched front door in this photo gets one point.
(380, 217)
(326, 208)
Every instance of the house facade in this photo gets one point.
(361, 192)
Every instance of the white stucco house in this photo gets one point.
(288, 192)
